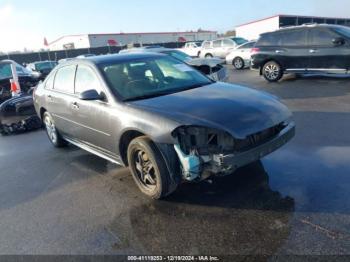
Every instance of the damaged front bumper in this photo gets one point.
(234, 161)
(199, 167)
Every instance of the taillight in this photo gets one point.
(254, 50)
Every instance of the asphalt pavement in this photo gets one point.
(295, 201)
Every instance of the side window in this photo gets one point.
(49, 81)
(293, 38)
(228, 43)
(206, 45)
(64, 80)
(268, 40)
(217, 43)
(321, 37)
(5, 70)
(86, 79)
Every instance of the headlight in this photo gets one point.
(205, 141)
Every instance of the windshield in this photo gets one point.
(239, 40)
(178, 55)
(345, 31)
(45, 65)
(151, 77)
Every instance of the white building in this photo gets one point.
(253, 29)
(99, 40)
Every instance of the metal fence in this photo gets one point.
(22, 58)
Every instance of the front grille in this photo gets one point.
(258, 138)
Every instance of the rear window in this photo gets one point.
(247, 45)
(239, 40)
(268, 40)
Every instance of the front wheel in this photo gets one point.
(238, 63)
(272, 71)
(148, 168)
(52, 132)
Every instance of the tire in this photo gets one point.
(238, 63)
(51, 131)
(155, 182)
(272, 71)
(208, 56)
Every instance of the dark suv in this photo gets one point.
(302, 49)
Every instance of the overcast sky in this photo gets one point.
(25, 23)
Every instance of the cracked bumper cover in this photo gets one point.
(234, 161)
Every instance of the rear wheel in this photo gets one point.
(54, 136)
(148, 168)
(272, 71)
(208, 56)
(238, 63)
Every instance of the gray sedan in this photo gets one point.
(166, 121)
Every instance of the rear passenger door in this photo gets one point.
(59, 98)
(292, 50)
(324, 55)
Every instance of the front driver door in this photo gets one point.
(93, 122)
(324, 54)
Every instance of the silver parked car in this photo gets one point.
(166, 121)
(240, 56)
(212, 67)
(220, 47)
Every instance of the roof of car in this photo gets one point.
(304, 26)
(102, 59)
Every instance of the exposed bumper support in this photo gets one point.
(234, 161)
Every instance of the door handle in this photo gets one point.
(312, 51)
(279, 51)
(75, 105)
(50, 98)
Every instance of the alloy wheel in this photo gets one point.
(51, 129)
(145, 170)
(272, 71)
(238, 63)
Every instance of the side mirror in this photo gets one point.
(91, 94)
(338, 41)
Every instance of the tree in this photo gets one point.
(230, 33)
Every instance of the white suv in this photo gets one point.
(220, 47)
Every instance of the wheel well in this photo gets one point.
(265, 62)
(208, 54)
(42, 111)
(236, 57)
(124, 142)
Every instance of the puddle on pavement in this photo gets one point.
(238, 214)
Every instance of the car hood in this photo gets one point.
(212, 62)
(240, 111)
